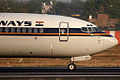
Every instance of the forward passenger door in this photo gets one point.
(63, 31)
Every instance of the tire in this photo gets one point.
(71, 67)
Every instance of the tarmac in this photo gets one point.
(44, 72)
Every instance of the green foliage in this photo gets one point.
(33, 6)
(90, 7)
(111, 7)
(68, 9)
(62, 8)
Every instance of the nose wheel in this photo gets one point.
(71, 66)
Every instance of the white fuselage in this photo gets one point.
(49, 35)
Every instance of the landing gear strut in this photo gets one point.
(72, 66)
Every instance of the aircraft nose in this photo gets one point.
(110, 42)
(114, 41)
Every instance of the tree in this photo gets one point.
(33, 6)
(111, 7)
(62, 8)
(78, 8)
(90, 7)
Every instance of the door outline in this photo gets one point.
(66, 35)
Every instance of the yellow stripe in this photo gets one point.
(57, 33)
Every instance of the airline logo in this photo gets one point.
(39, 23)
(20, 23)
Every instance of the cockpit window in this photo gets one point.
(91, 29)
(84, 29)
(97, 29)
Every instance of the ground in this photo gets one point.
(108, 58)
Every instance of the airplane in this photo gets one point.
(43, 35)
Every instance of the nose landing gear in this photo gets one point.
(71, 66)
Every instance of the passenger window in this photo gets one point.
(41, 30)
(30, 30)
(24, 30)
(6, 29)
(18, 30)
(35, 30)
(62, 30)
(12, 29)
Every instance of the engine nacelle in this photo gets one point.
(81, 58)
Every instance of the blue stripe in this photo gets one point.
(42, 30)
(51, 30)
(39, 30)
